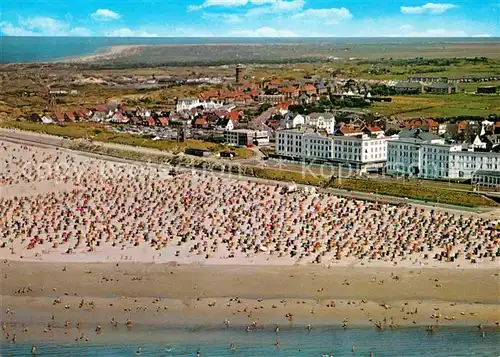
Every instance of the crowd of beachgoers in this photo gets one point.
(56, 204)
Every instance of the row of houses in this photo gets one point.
(413, 152)
(421, 154)
(223, 118)
(405, 87)
(456, 79)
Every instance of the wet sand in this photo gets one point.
(169, 295)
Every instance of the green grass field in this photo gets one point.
(412, 191)
(435, 105)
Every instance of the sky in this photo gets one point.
(250, 18)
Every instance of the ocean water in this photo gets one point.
(446, 342)
(40, 49)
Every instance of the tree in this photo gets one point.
(263, 107)
(324, 101)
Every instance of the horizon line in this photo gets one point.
(259, 37)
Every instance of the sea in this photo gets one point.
(296, 342)
(45, 49)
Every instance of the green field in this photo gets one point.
(439, 106)
(472, 87)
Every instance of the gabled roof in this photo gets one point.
(418, 134)
(82, 113)
(288, 90)
(233, 115)
(200, 121)
(308, 87)
(119, 116)
(431, 123)
(412, 85)
(324, 115)
(151, 121)
(101, 108)
(440, 85)
(346, 130)
(163, 121)
(373, 129)
(59, 116)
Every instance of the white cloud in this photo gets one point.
(330, 16)
(8, 29)
(41, 26)
(126, 32)
(104, 15)
(276, 7)
(410, 31)
(225, 3)
(284, 6)
(271, 5)
(482, 35)
(80, 32)
(263, 32)
(230, 18)
(429, 8)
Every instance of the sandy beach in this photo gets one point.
(109, 53)
(44, 296)
(88, 242)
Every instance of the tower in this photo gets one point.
(239, 73)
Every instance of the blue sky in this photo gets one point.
(254, 18)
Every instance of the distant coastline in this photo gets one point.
(56, 49)
(107, 53)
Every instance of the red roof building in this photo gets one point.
(101, 108)
(201, 122)
(290, 92)
(151, 121)
(163, 121)
(349, 131)
(60, 117)
(69, 116)
(373, 130)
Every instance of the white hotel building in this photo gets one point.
(320, 121)
(418, 153)
(355, 149)
(190, 103)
